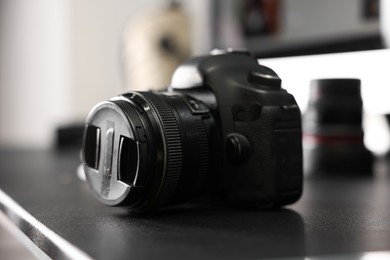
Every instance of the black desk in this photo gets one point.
(334, 217)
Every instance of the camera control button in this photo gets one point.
(265, 78)
(237, 148)
(197, 107)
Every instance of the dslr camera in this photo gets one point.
(225, 127)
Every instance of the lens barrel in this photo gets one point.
(145, 150)
(333, 137)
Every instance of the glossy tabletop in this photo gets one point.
(335, 216)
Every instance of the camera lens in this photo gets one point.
(145, 150)
(333, 133)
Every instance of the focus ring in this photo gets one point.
(203, 149)
(174, 148)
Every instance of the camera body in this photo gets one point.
(260, 127)
(225, 126)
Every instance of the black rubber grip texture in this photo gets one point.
(174, 148)
(203, 149)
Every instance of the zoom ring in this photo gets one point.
(173, 142)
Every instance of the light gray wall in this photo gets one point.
(385, 21)
(316, 18)
(58, 58)
(98, 29)
(35, 74)
(307, 22)
(97, 41)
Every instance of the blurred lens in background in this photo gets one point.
(333, 136)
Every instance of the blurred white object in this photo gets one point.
(155, 44)
(376, 133)
(81, 173)
(371, 67)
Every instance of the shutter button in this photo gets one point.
(265, 78)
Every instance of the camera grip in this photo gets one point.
(272, 173)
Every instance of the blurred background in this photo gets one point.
(58, 58)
